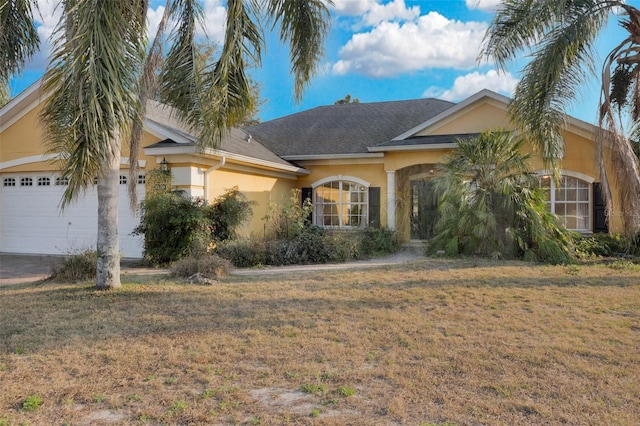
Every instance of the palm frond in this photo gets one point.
(92, 79)
(19, 38)
(617, 159)
(551, 80)
(147, 89)
(304, 24)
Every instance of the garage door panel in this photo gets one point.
(32, 222)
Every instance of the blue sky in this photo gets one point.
(377, 50)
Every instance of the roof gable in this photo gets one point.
(485, 96)
(21, 105)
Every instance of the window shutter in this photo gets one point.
(307, 193)
(599, 218)
(374, 206)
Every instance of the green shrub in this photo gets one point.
(600, 245)
(312, 245)
(284, 252)
(377, 241)
(76, 267)
(207, 265)
(175, 226)
(242, 253)
(227, 213)
(292, 240)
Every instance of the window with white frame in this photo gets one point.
(123, 179)
(9, 181)
(570, 200)
(44, 181)
(62, 181)
(26, 181)
(341, 203)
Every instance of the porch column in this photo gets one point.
(391, 199)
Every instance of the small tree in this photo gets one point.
(490, 203)
(347, 100)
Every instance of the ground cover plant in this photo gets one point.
(437, 341)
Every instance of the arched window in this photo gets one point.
(570, 201)
(341, 202)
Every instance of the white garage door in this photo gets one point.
(32, 222)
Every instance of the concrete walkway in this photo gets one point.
(398, 258)
(25, 268)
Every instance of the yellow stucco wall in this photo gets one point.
(25, 138)
(477, 117)
(262, 190)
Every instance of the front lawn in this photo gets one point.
(431, 342)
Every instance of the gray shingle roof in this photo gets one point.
(236, 141)
(344, 129)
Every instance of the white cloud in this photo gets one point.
(394, 11)
(215, 17)
(392, 48)
(154, 16)
(485, 5)
(466, 85)
(371, 12)
(352, 7)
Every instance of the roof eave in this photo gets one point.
(330, 156)
(192, 149)
(421, 147)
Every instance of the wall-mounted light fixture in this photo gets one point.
(164, 166)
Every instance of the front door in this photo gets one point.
(424, 210)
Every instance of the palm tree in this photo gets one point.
(102, 74)
(561, 36)
(490, 203)
(18, 40)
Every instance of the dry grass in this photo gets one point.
(433, 342)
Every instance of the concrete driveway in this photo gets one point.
(22, 268)
(28, 268)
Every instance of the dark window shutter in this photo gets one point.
(599, 218)
(374, 206)
(307, 193)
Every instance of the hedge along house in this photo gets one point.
(361, 164)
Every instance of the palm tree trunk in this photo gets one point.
(108, 244)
